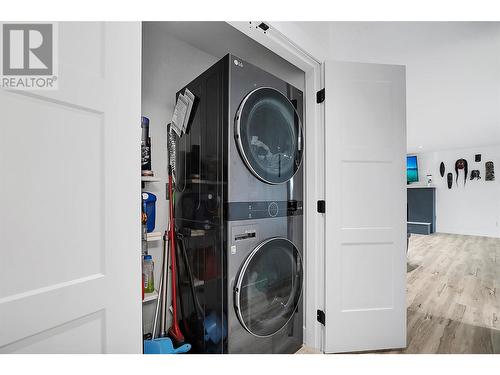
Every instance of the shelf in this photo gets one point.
(148, 297)
(197, 232)
(150, 179)
(196, 282)
(154, 236)
(197, 181)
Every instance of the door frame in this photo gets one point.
(277, 38)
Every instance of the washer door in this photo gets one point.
(269, 135)
(268, 287)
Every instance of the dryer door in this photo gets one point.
(268, 287)
(268, 132)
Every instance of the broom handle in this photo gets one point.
(175, 329)
(157, 308)
(163, 293)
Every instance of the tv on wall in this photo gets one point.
(411, 169)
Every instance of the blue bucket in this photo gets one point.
(164, 346)
(149, 201)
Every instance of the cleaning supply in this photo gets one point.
(161, 301)
(164, 345)
(215, 331)
(147, 272)
(163, 291)
(145, 147)
(149, 200)
(174, 332)
(144, 229)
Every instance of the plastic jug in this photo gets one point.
(147, 273)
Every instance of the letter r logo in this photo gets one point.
(27, 49)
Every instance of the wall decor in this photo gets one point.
(490, 171)
(478, 158)
(475, 175)
(442, 169)
(461, 164)
(429, 180)
(411, 169)
(449, 178)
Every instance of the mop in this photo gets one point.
(163, 344)
(174, 332)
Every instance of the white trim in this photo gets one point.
(283, 44)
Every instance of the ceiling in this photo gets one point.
(453, 74)
(219, 38)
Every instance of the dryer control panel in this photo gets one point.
(263, 209)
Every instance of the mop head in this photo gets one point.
(176, 336)
(172, 147)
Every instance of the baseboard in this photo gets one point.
(468, 232)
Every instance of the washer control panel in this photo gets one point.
(263, 210)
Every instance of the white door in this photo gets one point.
(70, 200)
(365, 260)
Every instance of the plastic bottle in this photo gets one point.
(144, 235)
(147, 272)
(145, 145)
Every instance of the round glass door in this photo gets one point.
(269, 135)
(268, 287)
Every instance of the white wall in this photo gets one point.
(220, 38)
(473, 209)
(452, 73)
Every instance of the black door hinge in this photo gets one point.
(320, 96)
(321, 206)
(320, 316)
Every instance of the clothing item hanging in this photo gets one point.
(474, 175)
(442, 169)
(490, 171)
(461, 164)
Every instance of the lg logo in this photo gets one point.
(28, 50)
(238, 63)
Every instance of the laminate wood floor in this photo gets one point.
(453, 294)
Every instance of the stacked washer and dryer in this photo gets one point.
(239, 212)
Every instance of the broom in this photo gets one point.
(174, 332)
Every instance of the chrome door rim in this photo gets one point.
(239, 280)
(240, 145)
